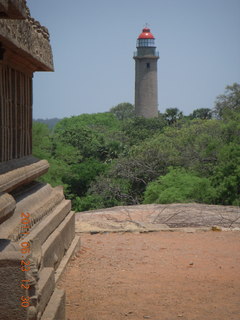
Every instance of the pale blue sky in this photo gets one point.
(93, 43)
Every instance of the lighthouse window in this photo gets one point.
(148, 65)
(145, 43)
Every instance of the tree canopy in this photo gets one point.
(228, 103)
(115, 158)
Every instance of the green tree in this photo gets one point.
(138, 129)
(88, 202)
(112, 191)
(202, 113)
(56, 173)
(111, 158)
(179, 185)
(41, 141)
(81, 175)
(171, 115)
(226, 176)
(65, 152)
(59, 158)
(94, 136)
(228, 103)
(123, 111)
(194, 146)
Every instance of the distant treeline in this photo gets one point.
(114, 158)
(49, 122)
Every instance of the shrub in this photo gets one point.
(179, 185)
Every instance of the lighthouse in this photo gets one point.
(146, 88)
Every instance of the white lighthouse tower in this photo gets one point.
(146, 88)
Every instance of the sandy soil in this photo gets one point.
(159, 276)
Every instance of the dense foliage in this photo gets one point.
(115, 158)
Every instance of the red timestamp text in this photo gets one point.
(25, 264)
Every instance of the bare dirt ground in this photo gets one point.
(156, 275)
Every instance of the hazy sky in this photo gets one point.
(93, 43)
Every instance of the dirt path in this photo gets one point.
(158, 276)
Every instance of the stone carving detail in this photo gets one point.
(14, 178)
(39, 214)
(14, 9)
(29, 36)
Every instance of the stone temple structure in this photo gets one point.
(146, 87)
(37, 226)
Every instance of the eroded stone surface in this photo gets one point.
(39, 200)
(23, 175)
(13, 9)
(156, 217)
(56, 307)
(29, 37)
(7, 206)
(58, 242)
(12, 285)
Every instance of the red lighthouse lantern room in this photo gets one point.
(146, 39)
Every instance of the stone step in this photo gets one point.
(55, 309)
(73, 249)
(39, 200)
(44, 228)
(58, 242)
(46, 285)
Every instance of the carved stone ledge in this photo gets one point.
(29, 40)
(40, 200)
(39, 213)
(50, 222)
(10, 180)
(16, 163)
(7, 206)
(13, 9)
